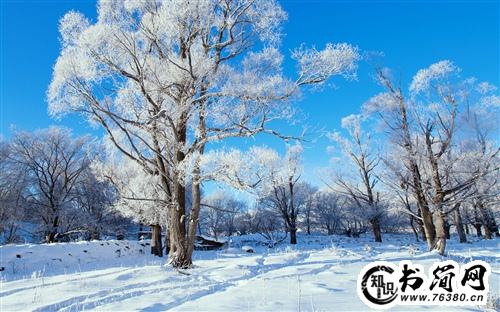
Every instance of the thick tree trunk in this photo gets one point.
(329, 230)
(495, 228)
(477, 222)
(439, 222)
(487, 231)
(194, 215)
(167, 240)
(156, 243)
(459, 225)
(422, 231)
(421, 225)
(477, 226)
(487, 221)
(447, 227)
(376, 230)
(293, 236)
(429, 228)
(178, 256)
(50, 238)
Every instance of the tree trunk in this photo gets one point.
(329, 230)
(293, 236)
(194, 215)
(156, 243)
(477, 222)
(477, 226)
(178, 256)
(486, 220)
(487, 231)
(495, 228)
(376, 230)
(412, 224)
(421, 225)
(439, 222)
(467, 230)
(50, 238)
(167, 240)
(429, 228)
(447, 227)
(459, 225)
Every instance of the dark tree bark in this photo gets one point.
(51, 236)
(459, 225)
(293, 236)
(412, 225)
(156, 243)
(487, 221)
(376, 230)
(447, 227)
(477, 226)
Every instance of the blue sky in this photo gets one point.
(411, 34)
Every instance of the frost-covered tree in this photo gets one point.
(164, 79)
(94, 199)
(307, 192)
(54, 162)
(273, 179)
(327, 210)
(219, 214)
(12, 195)
(422, 124)
(268, 223)
(478, 146)
(360, 187)
(138, 194)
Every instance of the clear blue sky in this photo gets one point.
(411, 34)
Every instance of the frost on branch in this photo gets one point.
(425, 77)
(485, 87)
(382, 102)
(140, 195)
(167, 79)
(317, 66)
(71, 27)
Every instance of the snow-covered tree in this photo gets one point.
(422, 125)
(139, 194)
(95, 199)
(360, 187)
(327, 209)
(219, 213)
(478, 146)
(273, 179)
(54, 162)
(164, 79)
(12, 195)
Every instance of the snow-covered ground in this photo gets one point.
(319, 274)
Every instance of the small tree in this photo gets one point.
(361, 189)
(274, 180)
(327, 211)
(54, 162)
(13, 203)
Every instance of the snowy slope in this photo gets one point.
(319, 274)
